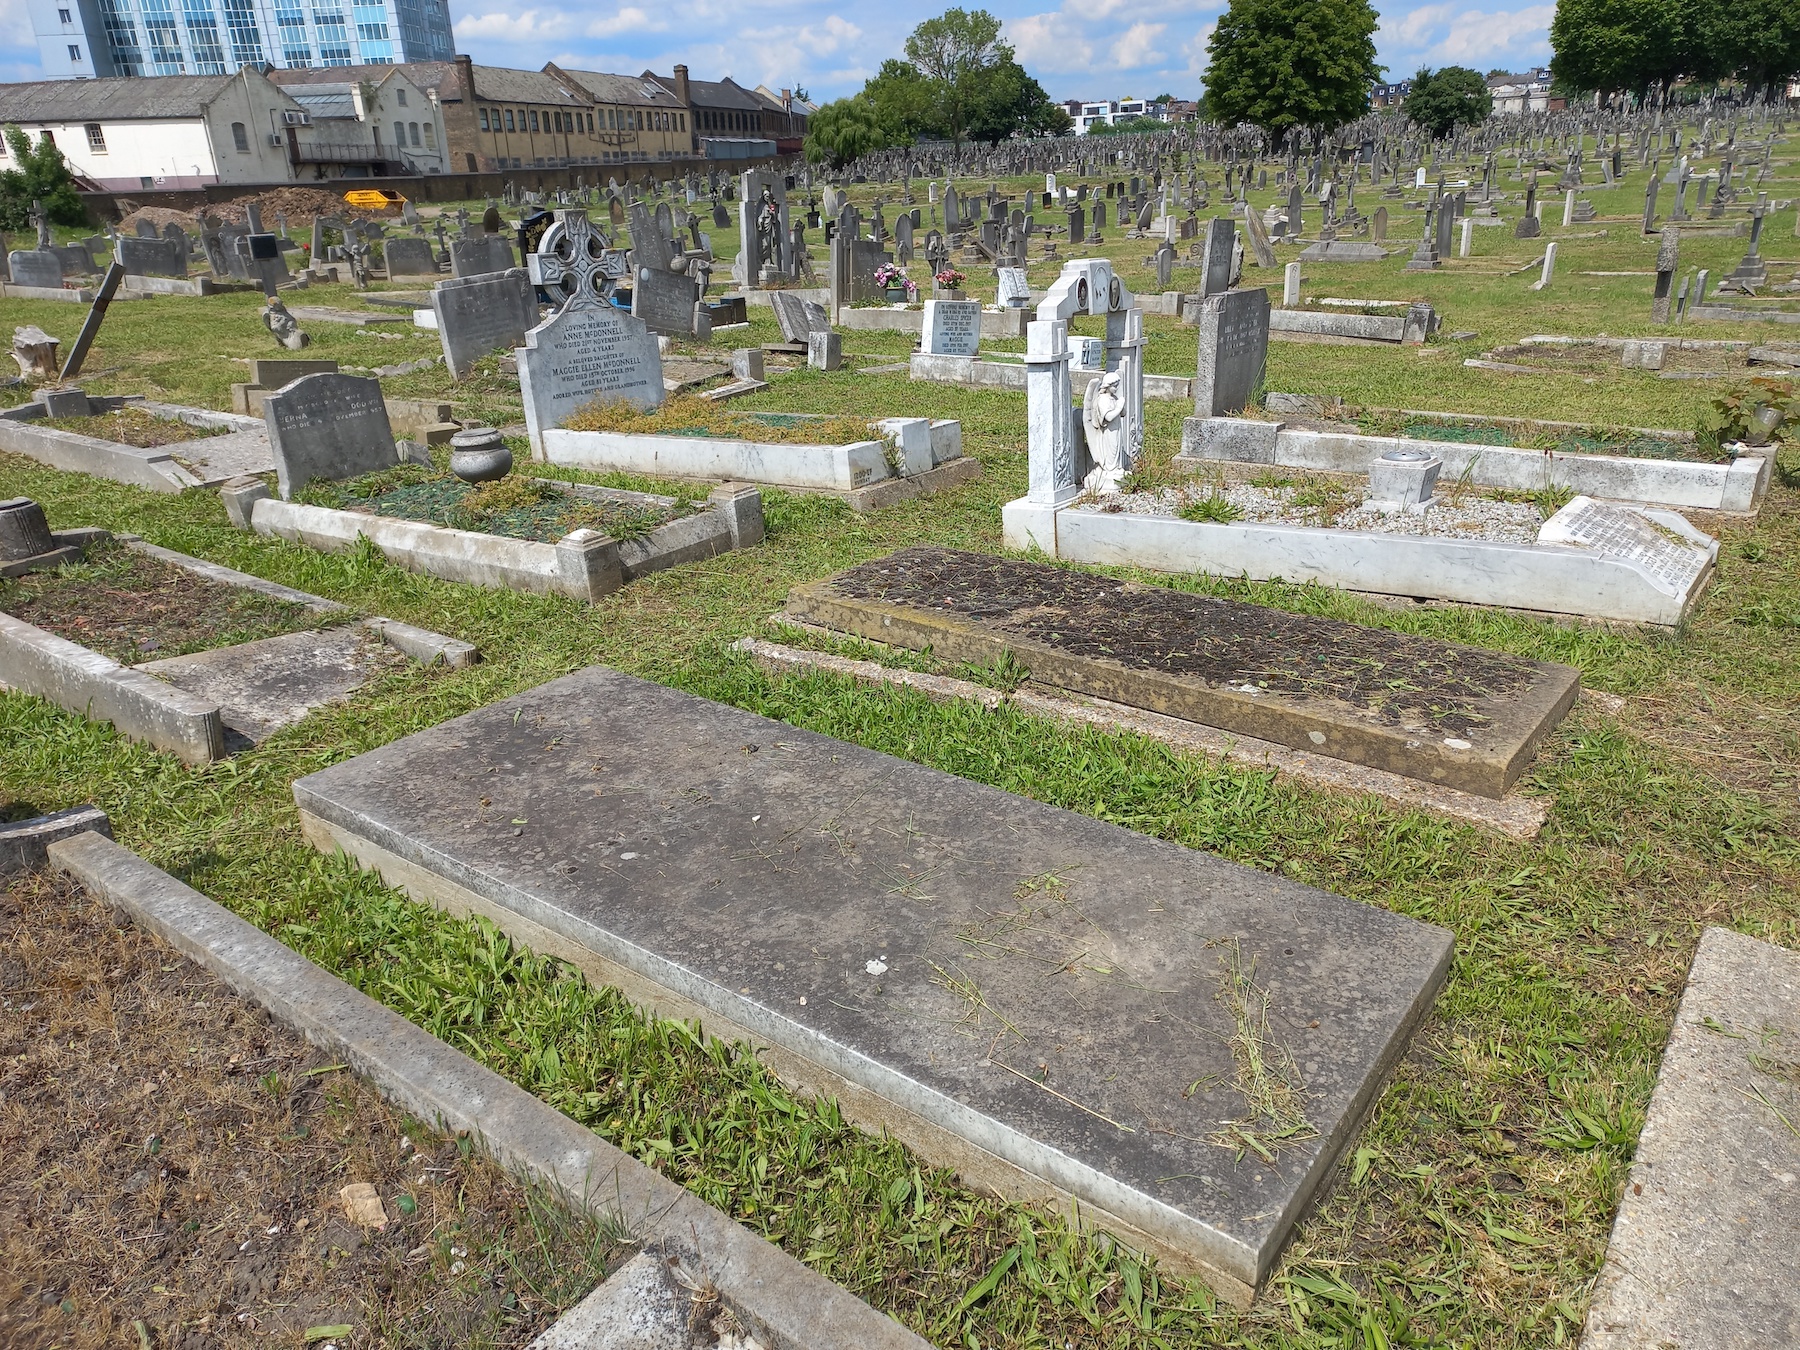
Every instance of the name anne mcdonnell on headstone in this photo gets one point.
(328, 426)
(580, 354)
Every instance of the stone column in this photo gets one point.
(1125, 354)
(1052, 461)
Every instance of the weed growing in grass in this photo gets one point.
(1266, 1077)
(1212, 509)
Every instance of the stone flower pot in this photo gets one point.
(479, 455)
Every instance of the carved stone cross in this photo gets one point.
(574, 263)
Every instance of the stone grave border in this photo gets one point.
(154, 467)
(1515, 815)
(995, 323)
(584, 564)
(144, 708)
(1737, 487)
(1311, 325)
(918, 457)
(774, 1295)
(1533, 578)
(1009, 373)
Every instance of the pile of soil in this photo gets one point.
(298, 204)
(172, 1169)
(136, 608)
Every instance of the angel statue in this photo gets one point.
(1103, 422)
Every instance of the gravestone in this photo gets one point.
(151, 256)
(586, 351)
(483, 313)
(480, 255)
(623, 851)
(763, 229)
(35, 267)
(410, 258)
(327, 426)
(1260, 244)
(1660, 545)
(75, 259)
(1233, 350)
(951, 328)
(666, 302)
(1668, 258)
(1014, 291)
(798, 318)
(1221, 242)
(1379, 226)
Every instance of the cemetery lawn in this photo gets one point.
(133, 608)
(516, 507)
(171, 1166)
(1474, 1207)
(132, 426)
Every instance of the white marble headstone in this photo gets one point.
(1670, 553)
(951, 328)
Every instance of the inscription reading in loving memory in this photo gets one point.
(1624, 534)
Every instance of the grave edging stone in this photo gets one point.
(436, 1082)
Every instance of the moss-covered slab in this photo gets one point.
(1435, 711)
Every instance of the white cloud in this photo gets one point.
(1449, 34)
(1138, 46)
(531, 25)
(630, 19)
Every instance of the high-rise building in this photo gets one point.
(86, 38)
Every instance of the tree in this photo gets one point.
(1443, 100)
(1007, 100)
(1612, 46)
(1129, 127)
(1292, 63)
(903, 101)
(958, 53)
(843, 131)
(39, 174)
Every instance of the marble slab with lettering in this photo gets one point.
(580, 354)
(1671, 554)
(951, 328)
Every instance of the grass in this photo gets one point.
(1475, 1205)
(690, 415)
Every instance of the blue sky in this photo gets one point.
(1092, 49)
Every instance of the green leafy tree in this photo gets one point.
(960, 55)
(1131, 126)
(843, 131)
(1443, 100)
(1008, 100)
(903, 102)
(1615, 46)
(1292, 63)
(39, 173)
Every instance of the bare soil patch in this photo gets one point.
(136, 608)
(172, 1167)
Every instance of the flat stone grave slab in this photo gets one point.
(1702, 1253)
(1055, 1006)
(271, 683)
(1434, 711)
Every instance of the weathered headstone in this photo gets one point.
(410, 258)
(951, 328)
(1013, 290)
(665, 301)
(585, 352)
(1233, 350)
(328, 426)
(151, 256)
(483, 254)
(1668, 259)
(1259, 237)
(1221, 240)
(35, 267)
(1658, 544)
(484, 313)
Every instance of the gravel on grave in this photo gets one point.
(1471, 517)
(171, 1158)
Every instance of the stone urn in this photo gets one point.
(479, 455)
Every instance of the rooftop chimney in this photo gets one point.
(681, 86)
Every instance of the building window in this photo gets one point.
(62, 16)
(681, 121)
(534, 119)
(412, 129)
(484, 124)
(509, 119)
(400, 97)
(74, 52)
(96, 138)
(431, 135)
(590, 122)
(240, 137)
(45, 138)
(246, 38)
(400, 135)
